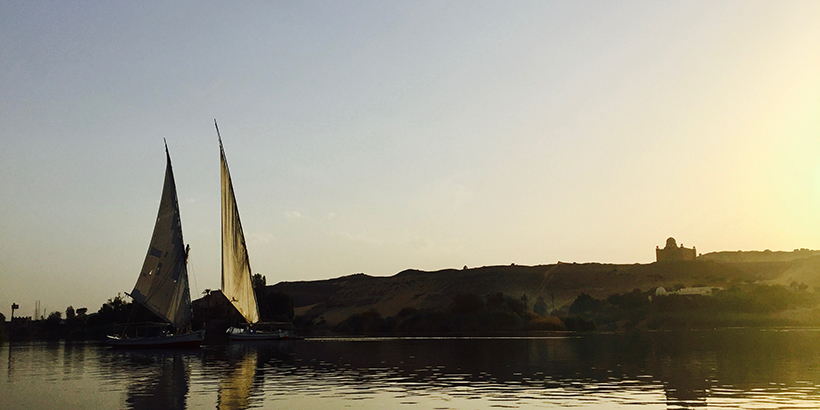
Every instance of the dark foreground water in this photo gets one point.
(725, 369)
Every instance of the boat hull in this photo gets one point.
(243, 334)
(185, 340)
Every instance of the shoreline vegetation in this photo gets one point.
(716, 291)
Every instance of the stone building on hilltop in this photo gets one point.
(672, 252)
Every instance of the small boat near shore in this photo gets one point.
(183, 340)
(162, 285)
(262, 331)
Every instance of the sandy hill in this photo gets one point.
(759, 256)
(336, 299)
(801, 271)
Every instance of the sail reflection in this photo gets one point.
(672, 369)
(159, 380)
(732, 369)
(237, 383)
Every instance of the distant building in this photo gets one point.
(672, 252)
(214, 305)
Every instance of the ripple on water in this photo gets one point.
(602, 371)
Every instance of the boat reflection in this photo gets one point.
(238, 381)
(242, 368)
(673, 369)
(709, 369)
(155, 379)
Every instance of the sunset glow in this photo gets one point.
(378, 136)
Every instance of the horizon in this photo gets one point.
(44, 311)
(374, 138)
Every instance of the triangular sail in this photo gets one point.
(162, 286)
(236, 267)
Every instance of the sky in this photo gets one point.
(374, 137)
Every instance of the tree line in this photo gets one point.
(746, 305)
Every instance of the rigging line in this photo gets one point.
(131, 316)
(191, 269)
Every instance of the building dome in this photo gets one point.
(673, 252)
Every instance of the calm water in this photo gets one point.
(726, 369)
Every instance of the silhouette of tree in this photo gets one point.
(495, 301)
(584, 304)
(540, 306)
(466, 303)
(370, 321)
(276, 306)
(115, 310)
(259, 282)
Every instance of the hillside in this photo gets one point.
(335, 299)
(759, 256)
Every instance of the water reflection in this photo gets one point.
(73, 358)
(237, 382)
(725, 369)
(155, 379)
(678, 370)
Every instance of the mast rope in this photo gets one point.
(192, 272)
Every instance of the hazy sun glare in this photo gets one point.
(378, 137)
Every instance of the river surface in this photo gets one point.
(720, 369)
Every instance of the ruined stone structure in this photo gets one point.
(672, 252)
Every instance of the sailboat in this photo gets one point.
(162, 285)
(237, 282)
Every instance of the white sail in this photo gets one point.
(236, 267)
(162, 285)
